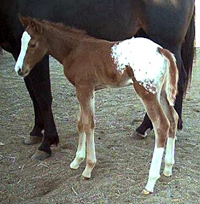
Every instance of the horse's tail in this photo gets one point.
(187, 52)
(171, 77)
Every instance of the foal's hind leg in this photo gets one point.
(80, 154)
(170, 147)
(161, 129)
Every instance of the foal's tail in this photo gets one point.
(172, 76)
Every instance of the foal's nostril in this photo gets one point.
(20, 72)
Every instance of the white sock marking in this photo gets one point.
(154, 172)
(169, 156)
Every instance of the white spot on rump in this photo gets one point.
(142, 55)
(24, 45)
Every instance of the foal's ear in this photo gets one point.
(33, 23)
(24, 20)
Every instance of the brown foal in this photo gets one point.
(91, 64)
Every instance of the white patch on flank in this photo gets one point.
(24, 45)
(142, 55)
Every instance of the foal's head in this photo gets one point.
(33, 46)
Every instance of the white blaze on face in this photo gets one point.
(24, 45)
(142, 55)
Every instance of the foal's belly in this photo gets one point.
(116, 84)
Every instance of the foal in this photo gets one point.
(91, 64)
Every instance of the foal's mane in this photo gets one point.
(72, 32)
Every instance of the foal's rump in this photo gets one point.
(150, 64)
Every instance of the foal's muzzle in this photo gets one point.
(23, 72)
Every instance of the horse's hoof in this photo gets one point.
(180, 124)
(30, 140)
(40, 155)
(146, 192)
(86, 175)
(74, 166)
(137, 136)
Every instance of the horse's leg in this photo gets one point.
(140, 132)
(80, 154)
(85, 96)
(169, 156)
(181, 83)
(170, 147)
(161, 129)
(40, 82)
(1, 51)
(36, 134)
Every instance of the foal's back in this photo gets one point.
(91, 62)
(104, 64)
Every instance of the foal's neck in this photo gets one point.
(60, 43)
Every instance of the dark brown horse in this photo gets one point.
(91, 64)
(169, 23)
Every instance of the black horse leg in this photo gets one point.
(40, 84)
(181, 86)
(140, 132)
(1, 51)
(36, 134)
(179, 106)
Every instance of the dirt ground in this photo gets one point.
(122, 163)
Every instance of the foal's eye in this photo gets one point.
(32, 45)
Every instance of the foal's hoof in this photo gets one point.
(146, 192)
(30, 140)
(40, 155)
(137, 136)
(86, 175)
(74, 165)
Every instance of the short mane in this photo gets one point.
(73, 32)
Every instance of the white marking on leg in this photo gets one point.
(169, 156)
(154, 172)
(80, 154)
(91, 155)
(24, 45)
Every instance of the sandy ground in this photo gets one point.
(122, 163)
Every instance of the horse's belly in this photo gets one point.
(117, 84)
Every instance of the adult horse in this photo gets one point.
(167, 22)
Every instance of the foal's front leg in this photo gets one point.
(80, 154)
(88, 125)
(86, 129)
